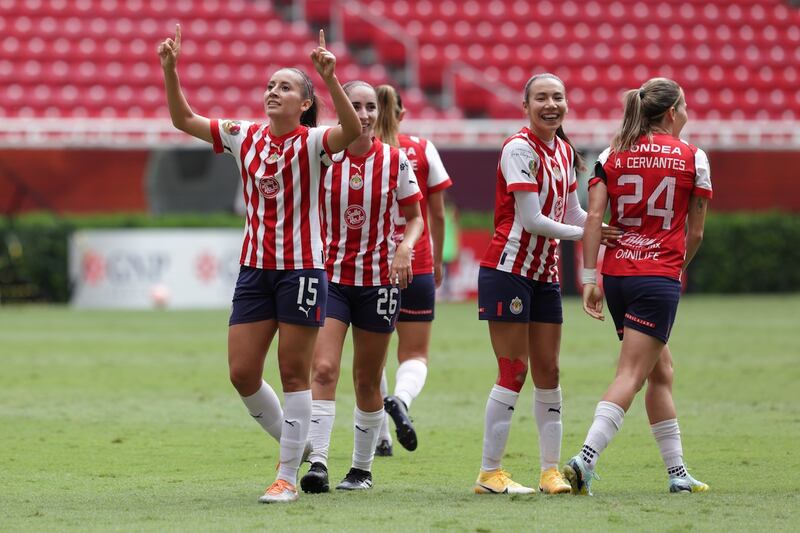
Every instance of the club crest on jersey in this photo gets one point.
(268, 187)
(515, 306)
(355, 216)
(356, 178)
(232, 127)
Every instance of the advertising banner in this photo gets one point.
(154, 268)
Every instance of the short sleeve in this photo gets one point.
(702, 178)
(318, 143)
(228, 135)
(438, 179)
(599, 169)
(520, 165)
(407, 187)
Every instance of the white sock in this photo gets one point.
(323, 413)
(547, 410)
(265, 408)
(365, 437)
(384, 434)
(607, 421)
(668, 436)
(296, 418)
(499, 410)
(409, 380)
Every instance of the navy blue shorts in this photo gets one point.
(292, 296)
(371, 308)
(644, 303)
(418, 299)
(507, 297)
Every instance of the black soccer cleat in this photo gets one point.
(356, 479)
(402, 422)
(316, 479)
(384, 449)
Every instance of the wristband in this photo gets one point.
(589, 275)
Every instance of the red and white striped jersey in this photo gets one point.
(528, 164)
(360, 192)
(431, 177)
(281, 184)
(649, 187)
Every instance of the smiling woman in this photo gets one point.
(536, 204)
(282, 285)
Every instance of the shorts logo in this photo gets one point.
(355, 216)
(268, 187)
(515, 306)
(232, 127)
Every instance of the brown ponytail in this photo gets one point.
(389, 108)
(644, 108)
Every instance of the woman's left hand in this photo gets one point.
(609, 235)
(323, 59)
(400, 272)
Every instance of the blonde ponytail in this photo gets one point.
(644, 108)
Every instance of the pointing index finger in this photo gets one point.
(322, 38)
(178, 34)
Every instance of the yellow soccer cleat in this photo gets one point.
(553, 482)
(279, 492)
(498, 482)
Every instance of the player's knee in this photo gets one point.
(662, 375)
(366, 384)
(244, 381)
(511, 373)
(325, 374)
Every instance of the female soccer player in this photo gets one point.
(659, 187)
(418, 299)
(282, 284)
(367, 270)
(536, 204)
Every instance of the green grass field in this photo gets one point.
(126, 421)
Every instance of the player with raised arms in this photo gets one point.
(282, 285)
(419, 298)
(536, 205)
(658, 187)
(367, 270)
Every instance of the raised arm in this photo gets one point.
(182, 115)
(349, 126)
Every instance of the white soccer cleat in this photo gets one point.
(279, 492)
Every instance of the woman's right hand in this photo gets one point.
(170, 49)
(323, 59)
(593, 301)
